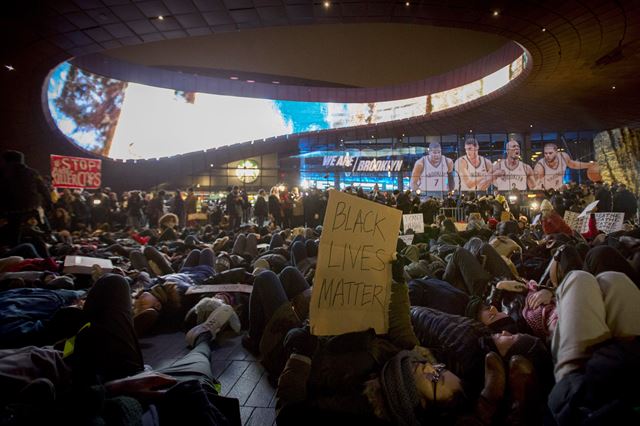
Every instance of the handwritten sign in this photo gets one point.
(352, 283)
(76, 172)
(605, 222)
(413, 221)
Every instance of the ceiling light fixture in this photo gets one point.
(160, 18)
(613, 87)
(9, 67)
(233, 77)
(275, 82)
(544, 29)
(530, 125)
(251, 81)
(407, 4)
(496, 12)
(327, 4)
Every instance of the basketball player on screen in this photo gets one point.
(431, 173)
(473, 170)
(512, 171)
(549, 170)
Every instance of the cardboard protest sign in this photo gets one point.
(352, 284)
(413, 221)
(76, 172)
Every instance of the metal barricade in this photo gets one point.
(455, 213)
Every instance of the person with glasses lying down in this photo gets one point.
(364, 378)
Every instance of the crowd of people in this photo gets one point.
(510, 320)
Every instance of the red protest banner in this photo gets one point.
(76, 172)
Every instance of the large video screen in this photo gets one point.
(464, 163)
(124, 120)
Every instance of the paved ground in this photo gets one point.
(239, 373)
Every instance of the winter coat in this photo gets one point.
(454, 340)
(604, 392)
(23, 190)
(261, 209)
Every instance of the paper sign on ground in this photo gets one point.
(407, 239)
(413, 221)
(589, 208)
(84, 264)
(218, 288)
(352, 283)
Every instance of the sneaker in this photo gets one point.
(217, 319)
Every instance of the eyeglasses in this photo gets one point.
(434, 377)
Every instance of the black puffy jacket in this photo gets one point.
(454, 340)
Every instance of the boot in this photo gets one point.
(522, 388)
(493, 391)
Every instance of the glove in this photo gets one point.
(397, 267)
(300, 341)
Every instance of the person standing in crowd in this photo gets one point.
(298, 207)
(473, 170)
(260, 208)
(404, 201)
(24, 193)
(190, 203)
(274, 206)
(603, 195)
(234, 207)
(80, 212)
(99, 209)
(246, 206)
(431, 172)
(177, 207)
(549, 170)
(512, 170)
(287, 208)
(155, 209)
(134, 210)
(624, 201)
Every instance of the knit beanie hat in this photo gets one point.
(122, 411)
(473, 307)
(399, 388)
(412, 253)
(418, 269)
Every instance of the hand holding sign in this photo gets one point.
(353, 277)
